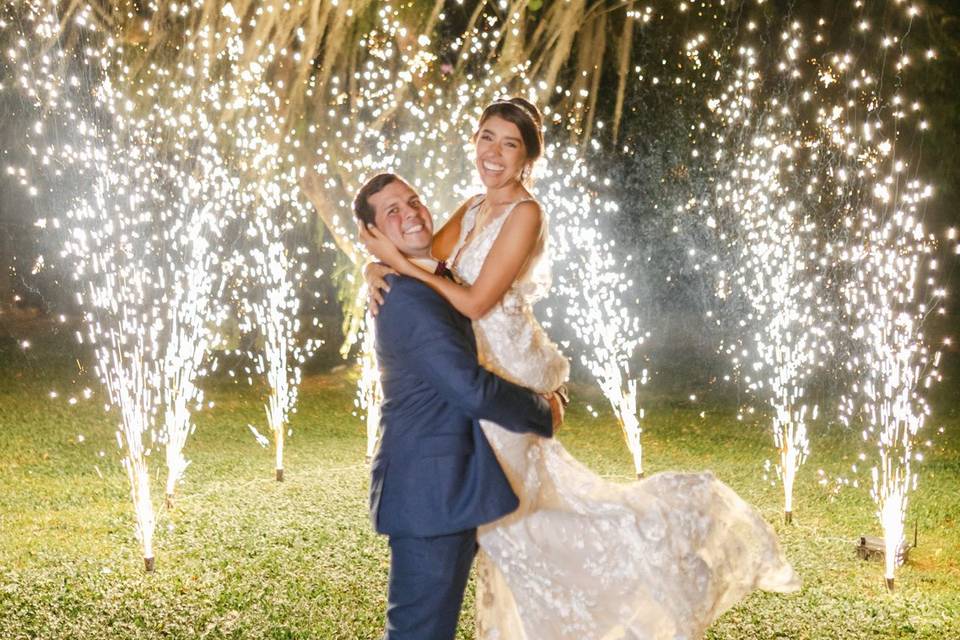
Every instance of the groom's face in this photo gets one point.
(403, 218)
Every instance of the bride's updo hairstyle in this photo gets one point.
(526, 116)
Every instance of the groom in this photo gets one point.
(434, 478)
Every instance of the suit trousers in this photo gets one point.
(427, 579)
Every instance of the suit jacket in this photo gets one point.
(434, 472)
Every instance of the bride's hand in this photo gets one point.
(375, 274)
(557, 408)
(380, 246)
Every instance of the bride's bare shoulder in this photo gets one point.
(528, 209)
(445, 239)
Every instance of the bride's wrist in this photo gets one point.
(407, 268)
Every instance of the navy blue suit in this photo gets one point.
(434, 478)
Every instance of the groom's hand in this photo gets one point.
(556, 408)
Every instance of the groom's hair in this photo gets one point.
(361, 203)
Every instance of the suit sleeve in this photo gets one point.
(422, 329)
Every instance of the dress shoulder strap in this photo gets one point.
(513, 205)
(476, 201)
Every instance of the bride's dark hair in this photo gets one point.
(525, 115)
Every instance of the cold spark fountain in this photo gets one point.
(825, 146)
(144, 240)
(776, 272)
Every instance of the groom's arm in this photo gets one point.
(421, 327)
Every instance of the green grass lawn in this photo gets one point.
(243, 556)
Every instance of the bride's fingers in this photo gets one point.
(378, 284)
(376, 233)
(375, 299)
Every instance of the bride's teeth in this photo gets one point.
(492, 167)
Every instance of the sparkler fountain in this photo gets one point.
(882, 301)
(776, 237)
(144, 240)
(886, 298)
(269, 193)
(820, 152)
(594, 290)
(108, 233)
(866, 132)
(274, 315)
(124, 349)
(189, 300)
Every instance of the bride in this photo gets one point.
(583, 557)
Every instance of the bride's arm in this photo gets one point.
(511, 250)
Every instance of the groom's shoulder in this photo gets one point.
(406, 291)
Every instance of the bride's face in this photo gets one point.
(500, 153)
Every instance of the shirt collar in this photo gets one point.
(427, 264)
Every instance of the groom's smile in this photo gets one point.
(403, 218)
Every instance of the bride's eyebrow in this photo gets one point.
(510, 138)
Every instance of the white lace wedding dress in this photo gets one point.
(584, 558)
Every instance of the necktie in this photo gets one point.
(443, 271)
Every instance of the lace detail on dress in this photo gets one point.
(585, 558)
(510, 341)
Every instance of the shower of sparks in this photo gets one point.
(139, 243)
(883, 254)
(124, 342)
(273, 314)
(188, 339)
(263, 203)
(827, 215)
(776, 272)
(140, 151)
(370, 392)
(885, 293)
(886, 316)
(595, 290)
